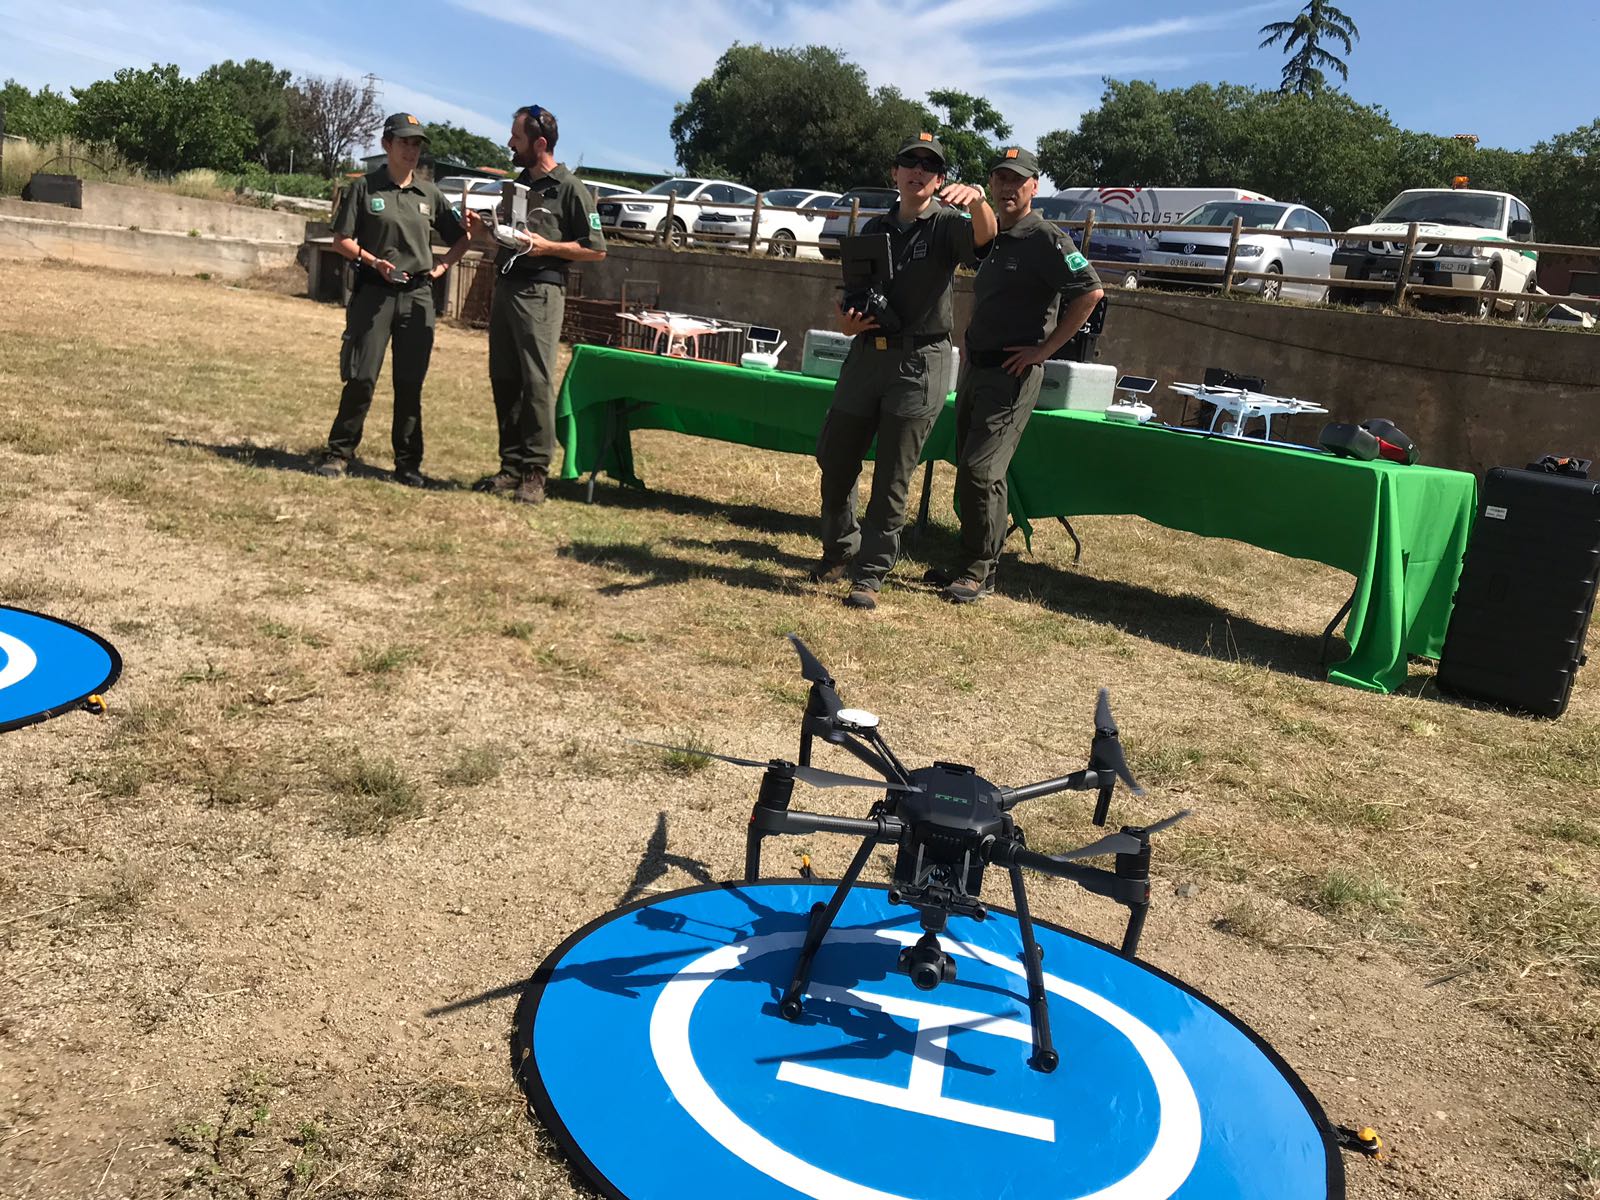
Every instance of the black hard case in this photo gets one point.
(1527, 591)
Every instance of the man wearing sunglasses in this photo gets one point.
(892, 385)
(1031, 269)
(529, 300)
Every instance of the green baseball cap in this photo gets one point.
(1015, 158)
(925, 143)
(404, 125)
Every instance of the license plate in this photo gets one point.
(1194, 262)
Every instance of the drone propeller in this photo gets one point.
(814, 673)
(1164, 823)
(1115, 843)
(1105, 752)
(815, 776)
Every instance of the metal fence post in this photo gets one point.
(755, 225)
(1233, 256)
(1404, 278)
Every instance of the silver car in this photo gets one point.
(873, 201)
(1274, 255)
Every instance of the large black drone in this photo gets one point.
(947, 823)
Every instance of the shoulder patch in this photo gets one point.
(1076, 261)
(594, 220)
(375, 204)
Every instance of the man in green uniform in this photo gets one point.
(525, 315)
(892, 385)
(385, 224)
(1031, 268)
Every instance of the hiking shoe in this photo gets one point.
(967, 591)
(501, 483)
(861, 596)
(411, 479)
(530, 490)
(829, 572)
(332, 466)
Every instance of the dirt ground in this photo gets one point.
(366, 763)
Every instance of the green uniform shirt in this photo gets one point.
(561, 210)
(1025, 271)
(397, 223)
(925, 253)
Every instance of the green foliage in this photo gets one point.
(43, 116)
(1318, 23)
(1323, 150)
(964, 133)
(162, 120)
(797, 117)
(259, 92)
(451, 142)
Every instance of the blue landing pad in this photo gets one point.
(651, 1046)
(48, 667)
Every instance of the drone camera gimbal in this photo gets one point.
(948, 824)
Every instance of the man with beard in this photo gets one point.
(525, 315)
(892, 385)
(1031, 268)
(385, 225)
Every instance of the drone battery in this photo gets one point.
(823, 353)
(1079, 386)
(1527, 592)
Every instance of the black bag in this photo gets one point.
(1527, 592)
(1562, 464)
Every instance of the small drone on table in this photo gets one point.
(947, 823)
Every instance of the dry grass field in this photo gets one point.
(366, 762)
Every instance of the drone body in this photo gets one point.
(947, 824)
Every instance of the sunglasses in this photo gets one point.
(922, 162)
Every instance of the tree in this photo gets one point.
(333, 115)
(259, 93)
(43, 116)
(1563, 187)
(964, 133)
(162, 121)
(1318, 22)
(469, 149)
(793, 118)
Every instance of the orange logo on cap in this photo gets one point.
(410, 120)
(924, 137)
(1012, 152)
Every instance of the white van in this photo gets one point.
(1152, 205)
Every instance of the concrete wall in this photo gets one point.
(146, 208)
(157, 251)
(1472, 395)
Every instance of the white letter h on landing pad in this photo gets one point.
(923, 1092)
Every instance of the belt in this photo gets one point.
(904, 341)
(421, 279)
(559, 278)
(988, 359)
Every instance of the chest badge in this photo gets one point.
(920, 250)
(376, 204)
(422, 207)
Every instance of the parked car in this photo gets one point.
(781, 232)
(1273, 255)
(603, 191)
(1152, 205)
(482, 195)
(1446, 217)
(874, 200)
(1122, 247)
(645, 215)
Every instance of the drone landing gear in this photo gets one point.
(822, 918)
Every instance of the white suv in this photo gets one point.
(645, 215)
(784, 232)
(1445, 218)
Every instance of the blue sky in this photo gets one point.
(613, 71)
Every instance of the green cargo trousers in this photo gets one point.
(376, 315)
(894, 394)
(524, 332)
(992, 410)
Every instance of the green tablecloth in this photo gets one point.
(1400, 531)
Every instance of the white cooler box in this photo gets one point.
(1082, 387)
(823, 353)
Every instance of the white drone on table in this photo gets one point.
(1234, 408)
